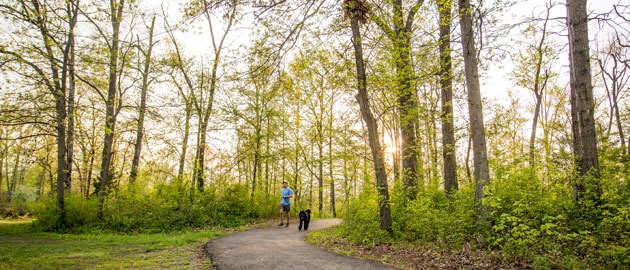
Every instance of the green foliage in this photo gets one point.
(167, 207)
(529, 220)
(364, 226)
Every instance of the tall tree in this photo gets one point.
(587, 184)
(206, 8)
(615, 73)
(145, 71)
(446, 83)
(112, 100)
(56, 48)
(357, 11)
(400, 36)
(475, 108)
(178, 63)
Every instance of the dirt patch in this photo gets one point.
(422, 257)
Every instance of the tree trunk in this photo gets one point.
(320, 162)
(475, 107)
(396, 152)
(182, 158)
(587, 185)
(3, 154)
(116, 9)
(72, 9)
(372, 126)
(446, 83)
(143, 105)
(539, 88)
(330, 166)
(406, 100)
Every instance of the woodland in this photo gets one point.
(497, 126)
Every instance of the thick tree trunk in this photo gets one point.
(116, 9)
(73, 12)
(406, 101)
(587, 184)
(396, 152)
(143, 105)
(446, 83)
(475, 107)
(372, 127)
(61, 158)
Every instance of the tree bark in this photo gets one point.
(446, 83)
(475, 107)
(587, 184)
(199, 168)
(372, 125)
(116, 9)
(143, 105)
(330, 166)
(539, 88)
(72, 10)
(320, 162)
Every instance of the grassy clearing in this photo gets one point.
(20, 248)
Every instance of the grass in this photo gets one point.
(21, 248)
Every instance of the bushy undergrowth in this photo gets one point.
(529, 220)
(168, 207)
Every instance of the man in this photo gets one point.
(285, 202)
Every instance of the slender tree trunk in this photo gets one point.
(396, 152)
(332, 177)
(199, 168)
(540, 84)
(143, 105)
(622, 139)
(3, 155)
(256, 158)
(587, 185)
(110, 104)
(371, 123)
(446, 83)
(310, 188)
(72, 9)
(182, 158)
(320, 162)
(475, 107)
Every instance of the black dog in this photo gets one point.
(305, 218)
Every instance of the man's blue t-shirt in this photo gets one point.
(286, 192)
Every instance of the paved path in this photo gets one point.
(280, 248)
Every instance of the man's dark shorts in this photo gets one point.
(285, 208)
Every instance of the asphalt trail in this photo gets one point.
(280, 248)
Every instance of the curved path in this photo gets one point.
(280, 248)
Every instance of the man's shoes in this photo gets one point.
(281, 223)
(286, 225)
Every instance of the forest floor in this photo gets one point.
(281, 248)
(409, 255)
(20, 248)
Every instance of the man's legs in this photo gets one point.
(281, 223)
